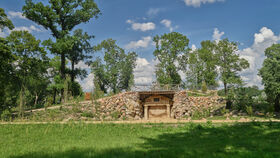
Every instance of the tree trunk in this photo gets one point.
(62, 73)
(36, 99)
(21, 101)
(54, 96)
(72, 71)
(62, 66)
(277, 104)
(228, 102)
(225, 88)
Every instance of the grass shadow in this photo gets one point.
(192, 140)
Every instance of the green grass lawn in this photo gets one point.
(248, 140)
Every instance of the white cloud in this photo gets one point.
(217, 34)
(87, 83)
(141, 26)
(197, 3)
(82, 65)
(193, 47)
(143, 43)
(153, 11)
(144, 72)
(30, 29)
(168, 24)
(255, 55)
(13, 14)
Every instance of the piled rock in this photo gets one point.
(121, 106)
(186, 106)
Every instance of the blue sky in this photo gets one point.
(254, 24)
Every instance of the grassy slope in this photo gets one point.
(150, 140)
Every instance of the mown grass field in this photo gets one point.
(247, 140)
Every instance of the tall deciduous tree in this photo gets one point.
(6, 59)
(79, 52)
(115, 72)
(230, 64)
(60, 17)
(270, 73)
(169, 50)
(30, 59)
(208, 60)
(194, 70)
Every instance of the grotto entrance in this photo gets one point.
(156, 104)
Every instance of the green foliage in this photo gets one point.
(229, 62)
(115, 115)
(249, 110)
(7, 88)
(5, 21)
(224, 111)
(202, 66)
(6, 115)
(115, 72)
(60, 17)
(170, 48)
(204, 87)
(97, 93)
(87, 114)
(194, 71)
(200, 113)
(30, 66)
(76, 89)
(271, 76)
(80, 50)
(244, 97)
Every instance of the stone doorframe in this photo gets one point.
(146, 109)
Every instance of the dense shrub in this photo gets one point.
(6, 115)
(204, 87)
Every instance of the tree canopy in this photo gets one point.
(115, 71)
(270, 73)
(60, 17)
(30, 62)
(170, 48)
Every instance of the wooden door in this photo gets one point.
(157, 112)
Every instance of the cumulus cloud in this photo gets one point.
(168, 24)
(141, 26)
(193, 47)
(217, 34)
(197, 3)
(82, 65)
(255, 54)
(13, 14)
(153, 11)
(30, 29)
(143, 43)
(144, 72)
(87, 83)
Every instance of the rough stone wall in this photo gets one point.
(186, 106)
(127, 106)
(121, 106)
